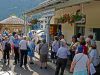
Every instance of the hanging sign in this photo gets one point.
(48, 13)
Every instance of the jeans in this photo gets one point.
(16, 51)
(6, 54)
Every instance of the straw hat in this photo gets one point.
(6, 38)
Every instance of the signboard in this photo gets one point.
(48, 13)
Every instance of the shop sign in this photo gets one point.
(48, 13)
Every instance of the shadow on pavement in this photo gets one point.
(38, 71)
(6, 68)
(33, 69)
(21, 71)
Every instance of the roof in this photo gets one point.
(57, 4)
(13, 20)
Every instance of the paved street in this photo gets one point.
(30, 70)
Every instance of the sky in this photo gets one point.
(16, 7)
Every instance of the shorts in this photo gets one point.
(43, 57)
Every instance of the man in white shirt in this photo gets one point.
(23, 51)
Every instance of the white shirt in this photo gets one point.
(93, 54)
(37, 48)
(81, 64)
(3, 44)
(63, 52)
(55, 46)
(23, 44)
(63, 40)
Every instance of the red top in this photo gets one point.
(85, 49)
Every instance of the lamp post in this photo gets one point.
(48, 29)
(25, 25)
(48, 15)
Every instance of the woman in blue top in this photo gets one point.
(31, 49)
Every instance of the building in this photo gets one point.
(43, 23)
(12, 24)
(92, 25)
(90, 8)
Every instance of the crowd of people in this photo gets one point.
(82, 52)
(23, 48)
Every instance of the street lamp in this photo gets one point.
(25, 25)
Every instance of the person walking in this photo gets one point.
(37, 46)
(43, 51)
(55, 47)
(23, 51)
(16, 49)
(1, 39)
(94, 59)
(31, 46)
(6, 49)
(80, 64)
(73, 47)
(62, 54)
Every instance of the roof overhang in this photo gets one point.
(57, 5)
(11, 24)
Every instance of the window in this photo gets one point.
(96, 31)
(80, 29)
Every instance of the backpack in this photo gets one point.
(7, 46)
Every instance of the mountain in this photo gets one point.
(16, 7)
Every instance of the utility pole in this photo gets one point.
(48, 15)
(48, 29)
(25, 25)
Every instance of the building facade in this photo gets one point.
(92, 25)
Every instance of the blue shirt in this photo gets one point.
(63, 52)
(16, 42)
(30, 34)
(31, 45)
